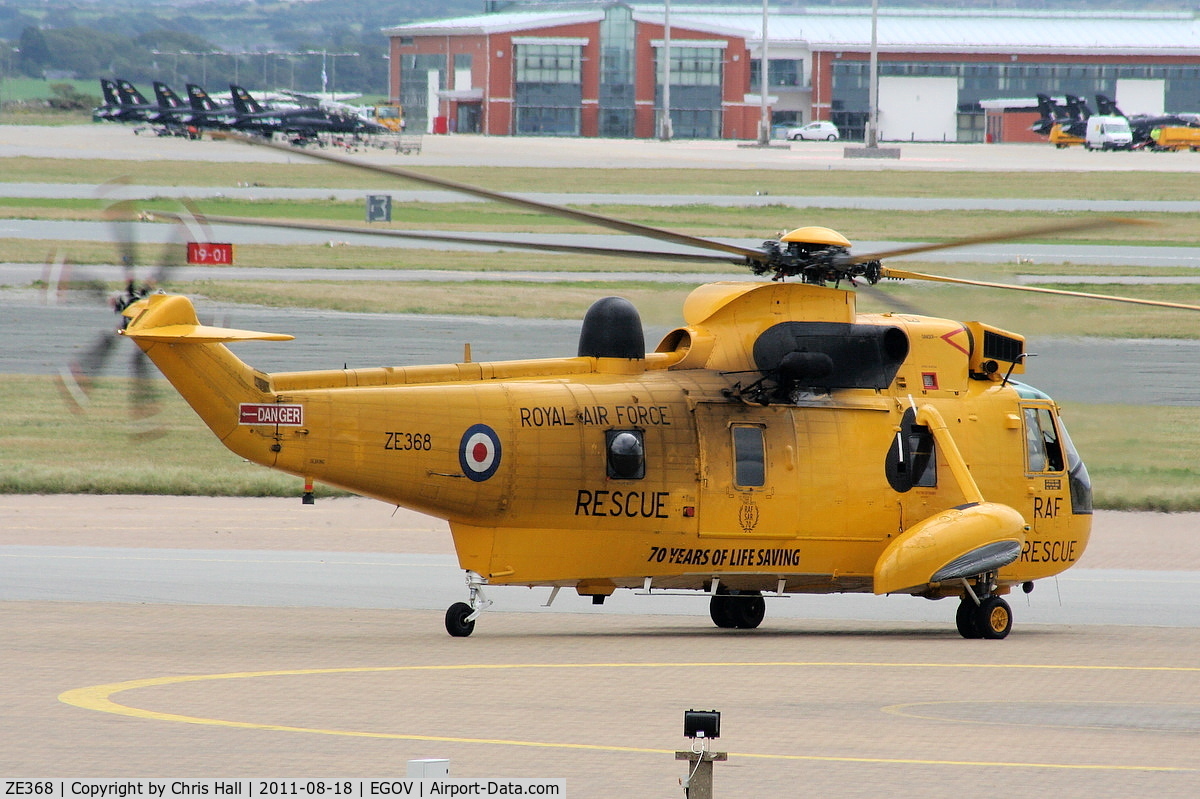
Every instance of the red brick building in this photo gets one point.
(599, 70)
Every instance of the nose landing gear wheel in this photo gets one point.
(456, 620)
(995, 618)
(991, 618)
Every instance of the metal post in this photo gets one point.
(665, 126)
(700, 771)
(764, 72)
(873, 100)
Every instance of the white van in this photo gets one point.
(1108, 133)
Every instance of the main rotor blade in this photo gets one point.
(988, 238)
(533, 205)
(902, 274)
(439, 237)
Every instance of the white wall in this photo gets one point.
(918, 109)
(1141, 96)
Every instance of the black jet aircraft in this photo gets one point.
(124, 103)
(1143, 124)
(1051, 114)
(112, 103)
(300, 124)
(136, 106)
(207, 113)
(176, 117)
(1079, 112)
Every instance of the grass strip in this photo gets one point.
(1149, 185)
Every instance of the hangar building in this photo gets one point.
(596, 69)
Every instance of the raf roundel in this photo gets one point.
(479, 452)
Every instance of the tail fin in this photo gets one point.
(166, 96)
(199, 98)
(109, 89)
(1047, 107)
(1107, 107)
(243, 102)
(1080, 111)
(211, 379)
(129, 94)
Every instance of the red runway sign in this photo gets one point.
(210, 254)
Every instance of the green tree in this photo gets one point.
(35, 53)
(67, 98)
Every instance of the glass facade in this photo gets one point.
(696, 74)
(414, 87)
(549, 89)
(617, 72)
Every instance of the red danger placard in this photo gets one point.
(207, 253)
(287, 415)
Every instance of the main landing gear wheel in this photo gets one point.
(734, 610)
(457, 623)
(991, 618)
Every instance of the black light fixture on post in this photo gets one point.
(701, 726)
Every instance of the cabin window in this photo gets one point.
(626, 454)
(923, 457)
(749, 455)
(912, 457)
(1044, 449)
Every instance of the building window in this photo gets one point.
(692, 66)
(696, 74)
(786, 73)
(549, 89)
(548, 63)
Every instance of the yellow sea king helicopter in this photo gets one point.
(777, 442)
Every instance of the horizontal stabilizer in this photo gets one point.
(203, 334)
(172, 318)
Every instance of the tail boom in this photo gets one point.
(194, 358)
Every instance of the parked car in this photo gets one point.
(814, 131)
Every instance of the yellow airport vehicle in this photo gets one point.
(1176, 138)
(1061, 139)
(777, 442)
(390, 115)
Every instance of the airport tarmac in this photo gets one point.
(132, 684)
(118, 142)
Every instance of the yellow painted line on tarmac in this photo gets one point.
(99, 698)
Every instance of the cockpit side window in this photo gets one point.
(1043, 446)
(749, 455)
